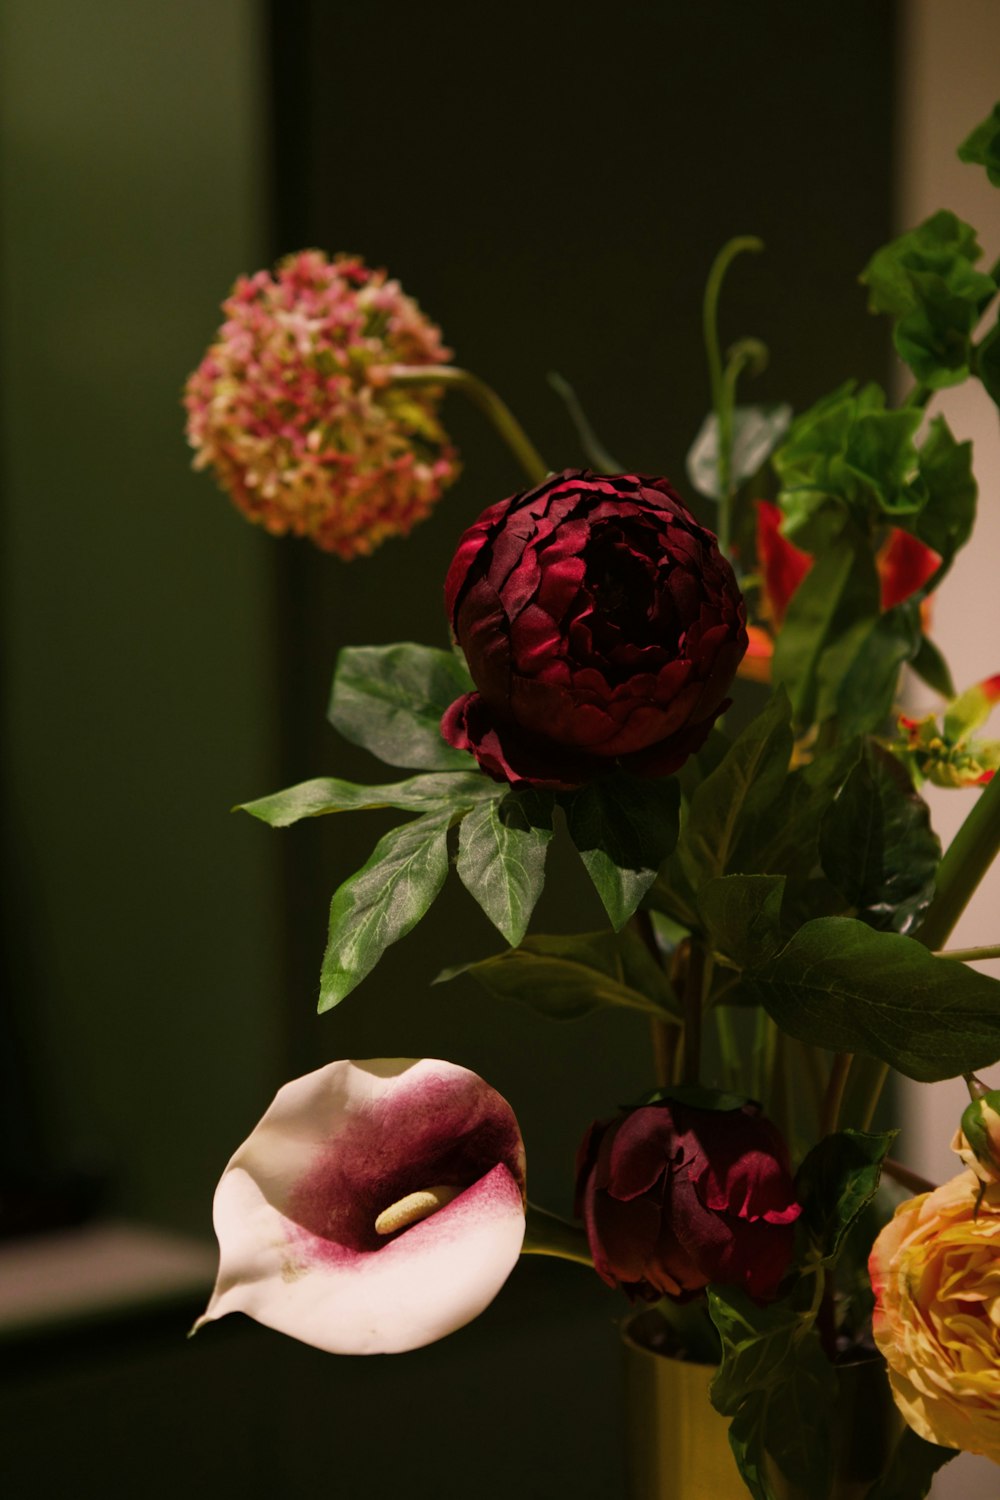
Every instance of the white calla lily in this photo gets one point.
(377, 1206)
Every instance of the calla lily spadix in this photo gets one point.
(376, 1207)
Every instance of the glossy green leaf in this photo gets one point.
(798, 1432)
(747, 780)
(982, 145)
(877, 845)
(742, 916)
(390, 700)
(383, 901)
(784, 837)
(840, 588)
(757, 431)
(835, 1183)
(912, 1468)
(328, 794)
(858, 674)
(841, 985)
(565, 977)
(931, 667)
(624, 827)
(501, 858)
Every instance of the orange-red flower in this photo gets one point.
(904, 565)
(293, 409)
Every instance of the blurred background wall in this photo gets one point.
(552, 189)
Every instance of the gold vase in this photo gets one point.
(678, 1444)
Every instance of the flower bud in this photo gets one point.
(978, 1140)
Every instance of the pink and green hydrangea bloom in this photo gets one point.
(294, 410)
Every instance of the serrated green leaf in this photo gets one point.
(328, 794)
(877, 845)
(501, 858)
(624, 827)
(982, 145)
(747, 779)
(912, 1468)
(835, 1183)
(383, 901)
(390, 700)
(757, 431)
(841, 985)
(742, 915)
(566, 977)
(926, 280)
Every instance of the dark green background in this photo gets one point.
(551, 181)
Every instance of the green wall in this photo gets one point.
(138, 650)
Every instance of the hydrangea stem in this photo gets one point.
(488, 402)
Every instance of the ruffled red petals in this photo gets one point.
(601, 626)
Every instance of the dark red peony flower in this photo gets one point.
(675, 1196)
(601, 625)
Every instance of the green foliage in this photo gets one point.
(757, 430)
(858, 674)
(742, 916)
(982, 145)
(847, 457)
(911, 1469)
(926, 281)
(946, 487)
(502, 845)
(779, 1388)
(841, 985)
(784, 836)
(328, 794)
(839, 591)
(746, 780)
(383, 901)
(931, 667)
(624, 827)
(877, 845)
(988, 362)
(835, 1184)
(567, 977)
(390, 700)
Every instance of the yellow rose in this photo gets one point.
(935, 1272)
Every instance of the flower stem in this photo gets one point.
(906, 1178)
(966, 860)
(488, 402)
(693, 1000)
(723, 391)
(970, 955)
(834, 1097)
(547, 1234)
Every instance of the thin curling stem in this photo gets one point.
(722, 398)
(488, 402)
